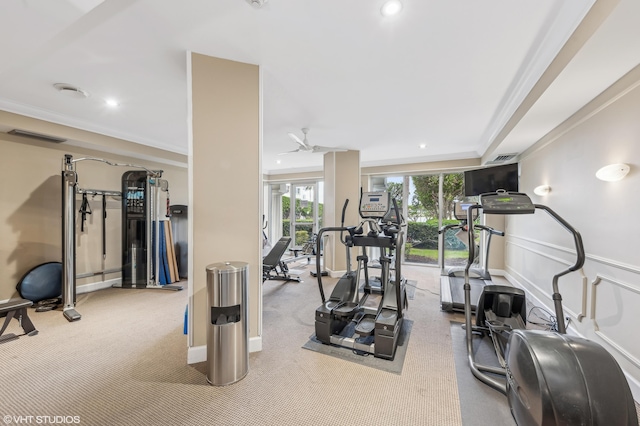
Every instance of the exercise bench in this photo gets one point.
(16, 308)
(273, 267)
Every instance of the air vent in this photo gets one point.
(71, 91)
(38, 136)
(502, 158)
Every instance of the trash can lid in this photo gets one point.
(227, 267)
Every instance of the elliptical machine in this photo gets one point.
(345, 319)
(549, 378)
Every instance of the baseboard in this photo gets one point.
(634, 385)
(336, 274)
(87, 288)
(255, 344)
(198, 354)
(497, 272)
(101, 285)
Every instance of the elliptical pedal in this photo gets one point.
(365, 324)
(346, 310)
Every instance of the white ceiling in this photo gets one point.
(448, 74)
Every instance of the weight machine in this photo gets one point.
(140, 207)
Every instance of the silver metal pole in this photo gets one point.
(148, 225)
(156, 216)
(69, 181)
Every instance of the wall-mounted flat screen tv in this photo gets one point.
(490, 179)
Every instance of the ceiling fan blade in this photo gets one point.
(290, 152)
(318, 148)
(298, 140)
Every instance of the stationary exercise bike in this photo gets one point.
(549, 378)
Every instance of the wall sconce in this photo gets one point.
(613, 172)
(542, 190)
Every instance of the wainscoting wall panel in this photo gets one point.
(534, 263)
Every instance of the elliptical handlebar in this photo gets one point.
(344, 211)
(340, 229)
(580, 258)
(398, 216)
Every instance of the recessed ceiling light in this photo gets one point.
(278, 161)
(257, 3)
(112, 103)
(71, 91)
(391, 7)
(423, 145)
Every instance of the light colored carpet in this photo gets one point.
(125, 363)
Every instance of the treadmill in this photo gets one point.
(452, 279)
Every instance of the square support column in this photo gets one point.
(225, 181)
(341, 182)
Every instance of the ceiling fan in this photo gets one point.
(305, 146)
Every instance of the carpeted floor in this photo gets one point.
(125, 363)
(475, 396)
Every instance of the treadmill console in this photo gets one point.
(460, 210)
(503, 202)
(374, 205)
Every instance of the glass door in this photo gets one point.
(455, 239)
(431, 205)
(303, 213)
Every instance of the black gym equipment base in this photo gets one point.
(391, 366)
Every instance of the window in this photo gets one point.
(299, 217)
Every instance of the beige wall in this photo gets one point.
(226, 179)
(603, 300)
(30, 220)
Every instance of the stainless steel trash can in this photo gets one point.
(227, 325)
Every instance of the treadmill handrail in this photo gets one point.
(490, 230)
(441, 234)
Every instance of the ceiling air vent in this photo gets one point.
(502, 158)
(71, 91)
(38, 136)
